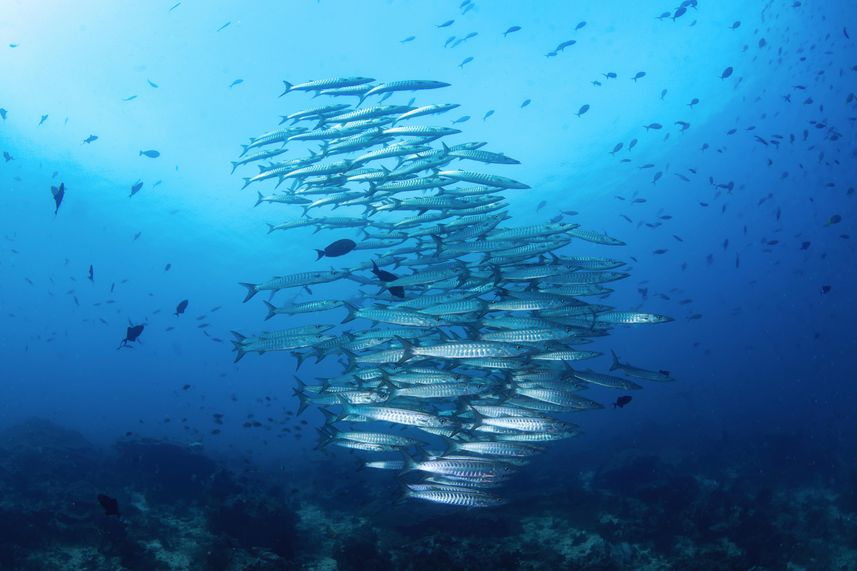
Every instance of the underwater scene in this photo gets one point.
(428, 285)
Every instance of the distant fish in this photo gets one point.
(825, 289)
(462, 119)
(3, 113)
(224, 26)
(236, 82)
(43, 119)
(655, 126)
(693, 102)
(152, 154)
(835, 219)
(726, 73)
(7, 156)
(583, 109)
(152, 83)
(132, 334)
(58, 194)
(167, 267)
(90, 139)
(174, 6)
(109, 505)
(91, 275)
(181, 307)
(130, 98)
(488, 114)
(565, 44)
(446, 24)
(580, 26)
(135, 188)
(638, 75)
(525, 103)
(622, 401)
(337, 248)
(735, 25)
(467, 60)
(610, 75)
(511, 30)
(408, 40)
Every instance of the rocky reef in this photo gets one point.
(183, 510)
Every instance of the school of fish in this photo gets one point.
(464, 345)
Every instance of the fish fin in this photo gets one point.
(260, 200)
(408, 349)
(287, 87)
(272, 309)
(299, 392)
(239, 351)
(616, 364)
(410, 464)
(299, 357)
(247, 182)
(330, 417)
(271, 227)
(352, 312)
(438, 242)
(252, 290)
(320, 254)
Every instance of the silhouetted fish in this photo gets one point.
(110, 505)
(181, 307)
(58, 194)
(622, 401)
(337, 248)
(132, 334)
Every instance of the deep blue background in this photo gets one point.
(769, 354)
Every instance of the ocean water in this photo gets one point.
(736, 204)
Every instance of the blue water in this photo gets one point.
(763, 347)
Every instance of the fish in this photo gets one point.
(90, 139)
(181, 307)
(336, 249)
(511, 30)
(631, 370)
(726, 73)
(42, 120)
(622, 401)
(109, 505)
(91, 274)
(135, 188)
(638, 75)
(463, 324)
(583, 109)
(58, 193)
(132, 334)
(236, 82)
(151, 153)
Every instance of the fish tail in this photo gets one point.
(239, 351)
(329, 417)
(352, 312)
(320, 254)
(438, 242)
(616, 364)
(288, 87)
(272, 310)
(299, 392)
(247, 182)
(252, 289)
(234, 166)
(410, 464)
(271, 227)
(259, 200)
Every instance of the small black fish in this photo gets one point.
(110, 505)
(825, 289)
(91, 273)
(59, 194)
(181, 307)
(622, 401)
(43, 119)
(151, 153)
(135, 188)
(511, 30)
(90, 139)
(726, 73)
(132, 334)
(167, 267)
(337, 248)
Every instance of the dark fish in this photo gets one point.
(580, 25)
(90, 139)
(446, 24)
(152, 154)
(621, 401)
(655, 126)
(58, 194)
(167, 267)
(583, 109)
(525, 103)
(135, 188)
(408, 39)
(236, 82)
(337, 248)
(488, 114)
(825, 289)
(7, 156)
(638, 75)
(726, 73)
(131, 98)
(132, 334)
(511, 30)
(693, 102)
(3, 113)
(224, 26)
(805, 245)
(110, 505)
(181, 307)
(565, 44)
(43, 119)
(152, 83)
(835, 219)
(91, 273)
